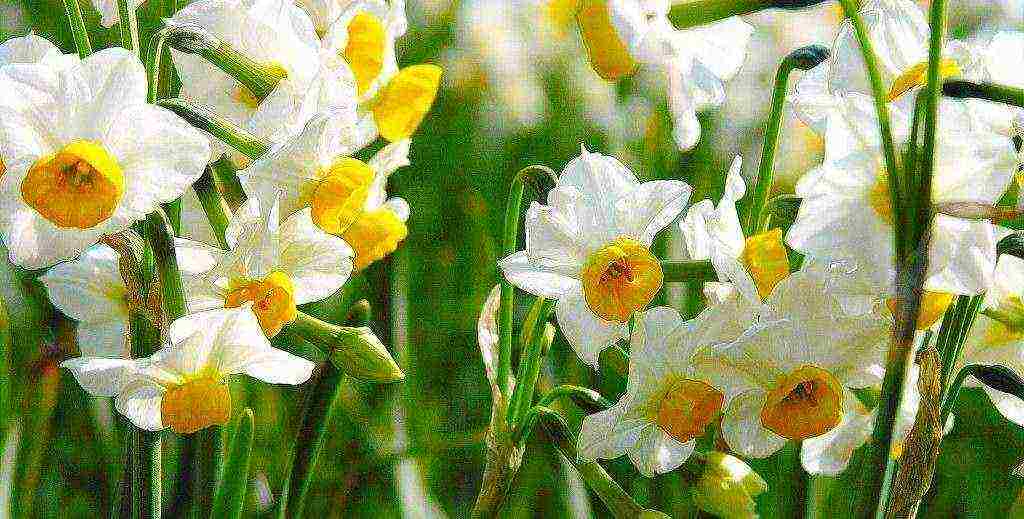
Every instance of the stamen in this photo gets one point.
(273, 301)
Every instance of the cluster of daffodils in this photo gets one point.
(84, 158)
(793, 339)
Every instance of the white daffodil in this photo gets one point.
(345, 196)
(753, 265)
(184, 384)
(90, 290)
(846, 215)
(272, 266)
(668, 403)
(324, 12)
(31, 48)
(589, 248)
(278, 35)
(392, 101)
(85, 155)
(793, 371)
(899, 34)
(109, 13)
(622, 34)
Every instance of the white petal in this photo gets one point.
(116, 80)
(742, 429)
(140, 402)
(391, 157)
(535, 279)
(30, 48)
(553, 241)
(607, 434)
(651, 207)
(962, 256)
(317, 263)
(103, 339)
(587, 333)
(102, 377)
(655, 452)
(830, 453)
(90, 288)
(600, 183)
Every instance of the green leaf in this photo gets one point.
(230, 496)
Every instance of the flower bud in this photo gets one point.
(360, 354)
(728, 487)
(806, 58)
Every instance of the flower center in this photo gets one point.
(364, 51)
(339, 198)
(196, 404)
(405, 101)
(273, 300)
(608, 54)
(766, 259)
(687, 408)
(77, 187)
(620, 278)
(806, 403)
(917, 75)
(879, 198)
(374, 235)
(251, 100)
(933, 306)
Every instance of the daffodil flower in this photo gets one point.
(324, 12)
(31, 48)
(274, 267)
(589, 248)
(84, 154)
(751, 265)
(109, 13)
(278, 35)
(846, 214)
(183, 385)
(345, 196)
(623, 34)
(668, 402)
(899, 33)
(793, 371)
(90, 290)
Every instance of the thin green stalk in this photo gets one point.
(144, 446)
(791, 484)
(202, 118)
(226, 174)
(78, 30)
(324, 396)
(229, 499)
(165, 86)
(533, 345)
(988, 91)
(589, 400)
(804, 58)
(214, 207)
(691, 13)
(129, 26)
(161, 240)
(954, 391)
(689, 271)
(5, 376)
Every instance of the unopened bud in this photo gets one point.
(1000, 378)
(359, 353)
(191, 38)
(806, 58)
(977, 211)
(728, 487)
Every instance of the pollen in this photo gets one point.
(806, 403)
(339, 198)
(365, 49)
(195, 405)
(879, 198)
(917, 75)
(608, 54)
(687, 408)
(766, 259)
(78, 187)
(272, 298)
(405, 101)
(620, 278)
(933, 306)
(374, 235)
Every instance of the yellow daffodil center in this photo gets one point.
(933, 306)
(879, 198)
(405, 101)
(917, 75)
(272, 298)
(806, 403)
(77, 187)
(765, 257)
(339, 198)
(608, 55)
(195, 405)
(687, 408)
(364, 51)
(620, 278)
(374, 235)
(250, 100)
(561, 14)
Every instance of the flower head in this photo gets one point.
(183, 385)
(589, 248)
(84, 155)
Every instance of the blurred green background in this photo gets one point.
(517, 91)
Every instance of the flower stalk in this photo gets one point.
(691, 13)
(533, 345)
(202, 118)
(229, 499)
(688, 271)
(77, 23)
(214, 206)
(988, 91)
(129, 26)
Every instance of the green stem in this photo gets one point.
(144, 446)
(129, 26)
(791, 486)
(226, 174)
(158, 234)
(689, 271)
(229, 499)
(354, 350)
(202, 118)
(216, 209)
(988, 91)
(78, 30)
(591, 401)
(533, 346)
(691, 13)
(165, 87)
(5, 375)
(804, 58)
(954, 391)
(318, 416)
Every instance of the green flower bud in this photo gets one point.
(728, 487)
